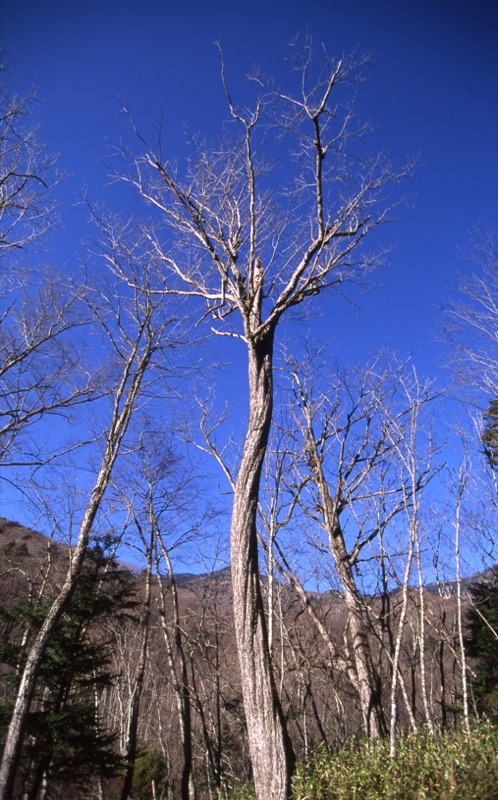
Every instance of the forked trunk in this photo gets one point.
(271, 752)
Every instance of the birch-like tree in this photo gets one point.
(275, 214)
(351, 429)
(161, 509)
(131, 333)
(470, 322)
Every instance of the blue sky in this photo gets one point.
(432, 93)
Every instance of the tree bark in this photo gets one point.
(179, 673)
(367, 682)
(271, 751)
(130, 750)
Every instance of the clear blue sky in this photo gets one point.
(432, 93)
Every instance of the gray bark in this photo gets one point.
(367, 681)
(130, 749)
(271, 751)
(177, 661)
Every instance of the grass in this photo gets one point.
(453, 766)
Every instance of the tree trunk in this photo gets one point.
(367, 682)
(271, 751)
(130, 751)
(177, 660)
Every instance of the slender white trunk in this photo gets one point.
(124, 402)
(397, 649)
(366, 683)
(174, 642)
(463, 659)
(129, 751)
(423, 677)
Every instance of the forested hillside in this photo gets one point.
(144, 670)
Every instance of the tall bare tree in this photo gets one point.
(162, 515)
(38, 310)
(40, 332)
(133, 330)
(470, 327)
(252, 242)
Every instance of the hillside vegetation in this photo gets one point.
(456, 766)
(91, 670)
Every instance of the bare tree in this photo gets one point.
(417, 470)
(470, 327)
(421, 636)
(460, 490)
(136, 681)
(134, 331)
(39, 310)
(165, 508)
(351, 433)
(40, 367)
(27, 174)
(252, 249)
(470, 322)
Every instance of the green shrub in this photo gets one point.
(455, 766)
(150, 768)
(244, 791)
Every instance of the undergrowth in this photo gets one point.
(454, 766)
